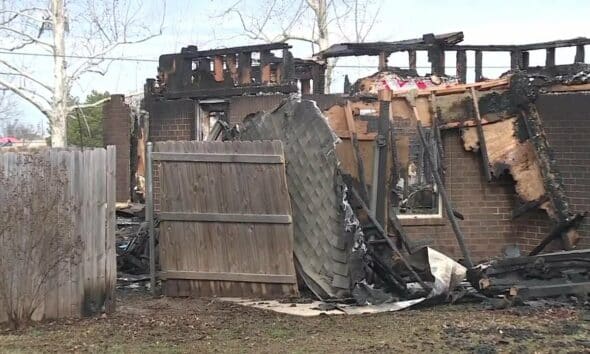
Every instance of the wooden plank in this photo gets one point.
(568, 88)
(550, 57)
(412, 59)
(461, 66)
(78, 183)
(478, 66)
(356, 153)
(99, 202)
(481, 137)
(245, 68)
(343, 134)
(449, 90)
(579, 58)
(245, 277)
(111, 228)
(525, 60)
(218, 157)
(523, 47)
(515, 60)
(229, 218)
(383, 61)
(192, 54)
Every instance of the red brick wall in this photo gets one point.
(169, 120)
(172, 120)
(487, 207)
(566, 118)
(116, 127)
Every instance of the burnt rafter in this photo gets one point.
(437, 45)
(236, 71)
(376, 48)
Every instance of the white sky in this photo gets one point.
(483, 22)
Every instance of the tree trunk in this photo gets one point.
(323, 40)
(320, 9)
(58, 119)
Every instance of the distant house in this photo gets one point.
(8, 141)
(12, 141)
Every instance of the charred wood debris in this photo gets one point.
(383, 264)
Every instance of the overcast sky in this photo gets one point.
(483, 22)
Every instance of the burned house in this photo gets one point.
(474, 170)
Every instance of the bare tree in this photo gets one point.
(37, 239)
(20, 130)
(76, 37)
(8, 110)
(318, 22)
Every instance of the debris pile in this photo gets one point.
(332, 254)
(132, 242)
(399, 80)
(532, 277)
(365, 167)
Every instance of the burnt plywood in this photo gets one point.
(216, 250)
(506, 152)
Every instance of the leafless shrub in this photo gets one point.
(37, 237)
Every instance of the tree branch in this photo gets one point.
(21, 73)
(25, 94)
(27, 36)
(89, 105)
(22, 13)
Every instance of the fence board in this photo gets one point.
(79, 288)
(111, 228)
(225, 221)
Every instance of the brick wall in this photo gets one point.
(172, 120)
(169, 120)
(487, 207)
(566, 118)
(117, 131)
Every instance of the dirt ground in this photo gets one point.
(143, 324)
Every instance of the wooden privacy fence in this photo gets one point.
(62, 199)
(225, 219)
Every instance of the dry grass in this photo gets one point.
(143, 324)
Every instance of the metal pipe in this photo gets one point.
(149, 214)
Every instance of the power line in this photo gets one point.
(80, 57)
(155, 61)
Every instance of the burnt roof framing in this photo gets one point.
(192, 52)
(437, 45)
(235, 71)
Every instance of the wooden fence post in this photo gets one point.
(149, 215)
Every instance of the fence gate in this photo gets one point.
(225, 219)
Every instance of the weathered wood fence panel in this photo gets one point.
(225, 220)
(85, 285)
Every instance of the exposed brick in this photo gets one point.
(117, 131)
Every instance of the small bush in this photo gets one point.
(37, 234)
